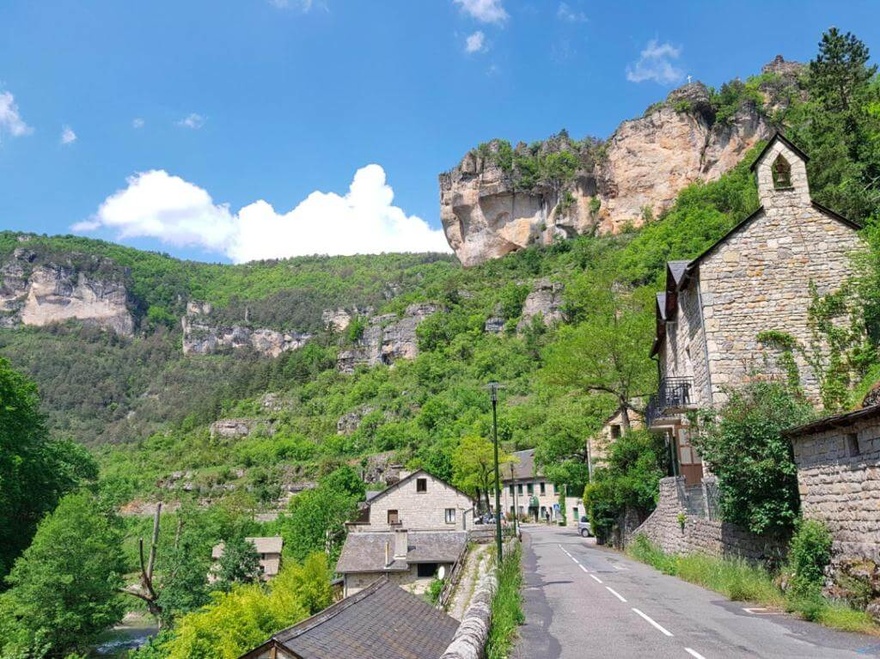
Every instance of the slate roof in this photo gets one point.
(676, 269)
(838, 421)
(420, 473)
(365, 552)
(522, 470)
(780, 137)
(383, 620)
(265, 545)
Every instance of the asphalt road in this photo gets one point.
(587, 601)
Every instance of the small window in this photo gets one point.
(511, 490)
(781, 173)
(519, 489)
(421, 485)
(393, 517)
(543, 487)
(530, 488)
(426, 569)
(852, 445)
(615, 431)
(555, 491)
(574, 513)
(450, 515)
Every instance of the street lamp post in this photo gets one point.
(493, 391)
(515, 507)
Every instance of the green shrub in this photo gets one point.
(808, 555)
(507, 611)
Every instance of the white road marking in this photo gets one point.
(596, 578)
(583, 568)
(694, 653)
(619, 567)
(656, 625)
(615, 593)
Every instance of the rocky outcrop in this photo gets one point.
(633, 177)
(386, 339)
(545, 301)
(202, 337)
(42, 293)
(232, 428)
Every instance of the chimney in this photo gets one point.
(388, 560)
(401, 544)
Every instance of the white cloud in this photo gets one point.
(656, 63)
(485, 11)
(569, 15)
(137, 122)
(10, 120)
(193, 120)
(476, 43)
(304, 5)
(158, 205)
(67, 135)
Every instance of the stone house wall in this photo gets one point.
(574, 506)
(699, 534)
(420, 511)
(759, 278)
(841, 487)
(684, 352)
(356, 581)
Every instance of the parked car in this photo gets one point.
(584, 526)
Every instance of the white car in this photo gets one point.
(584, 527)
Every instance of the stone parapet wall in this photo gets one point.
(699, 534)
(841, 486)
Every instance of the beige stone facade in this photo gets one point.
(418, 502)
(838, 463)
(525, 490)
(757, 278)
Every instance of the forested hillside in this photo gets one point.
(148, 412)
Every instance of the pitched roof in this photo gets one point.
(366, 552)
(383, 620)
(781, 138)
(264, 545)
(522, 470)
(839, 421)
(676, 269)
(418, 473)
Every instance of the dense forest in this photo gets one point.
(145, 409)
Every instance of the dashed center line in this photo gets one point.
(615, 593)
(694, 653)
(652, 622)
(583, 568)
(596, 578)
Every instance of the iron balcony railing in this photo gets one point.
(673, 394)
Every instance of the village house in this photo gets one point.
(268, 548)
(758, 278)
(381, 620)
(838, 460)
(526, 491)
(410, 533)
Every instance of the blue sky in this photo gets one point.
(228, 130)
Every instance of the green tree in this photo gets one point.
(630, 481)
(605, 353)
(473, 466)
(315, 522)
(240, 563)
(743, 446)
(35, 472)
(64, 586)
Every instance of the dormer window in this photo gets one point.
(781, 173)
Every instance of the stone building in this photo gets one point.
(268, 548)
(528, 492)
(407, 532)
(757, 278)
(838, 460)
(381, 620)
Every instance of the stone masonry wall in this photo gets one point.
(759, 279)
(843, 489)
(699, 535)
(685, 352)
(420, 510)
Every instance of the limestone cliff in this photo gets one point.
(38, 293)
(493, 203)
(386, 339)
(202, 336)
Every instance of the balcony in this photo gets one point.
(674, 395)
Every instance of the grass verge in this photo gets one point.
(742, 581)
(507, 613)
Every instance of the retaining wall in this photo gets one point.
(701, 532)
